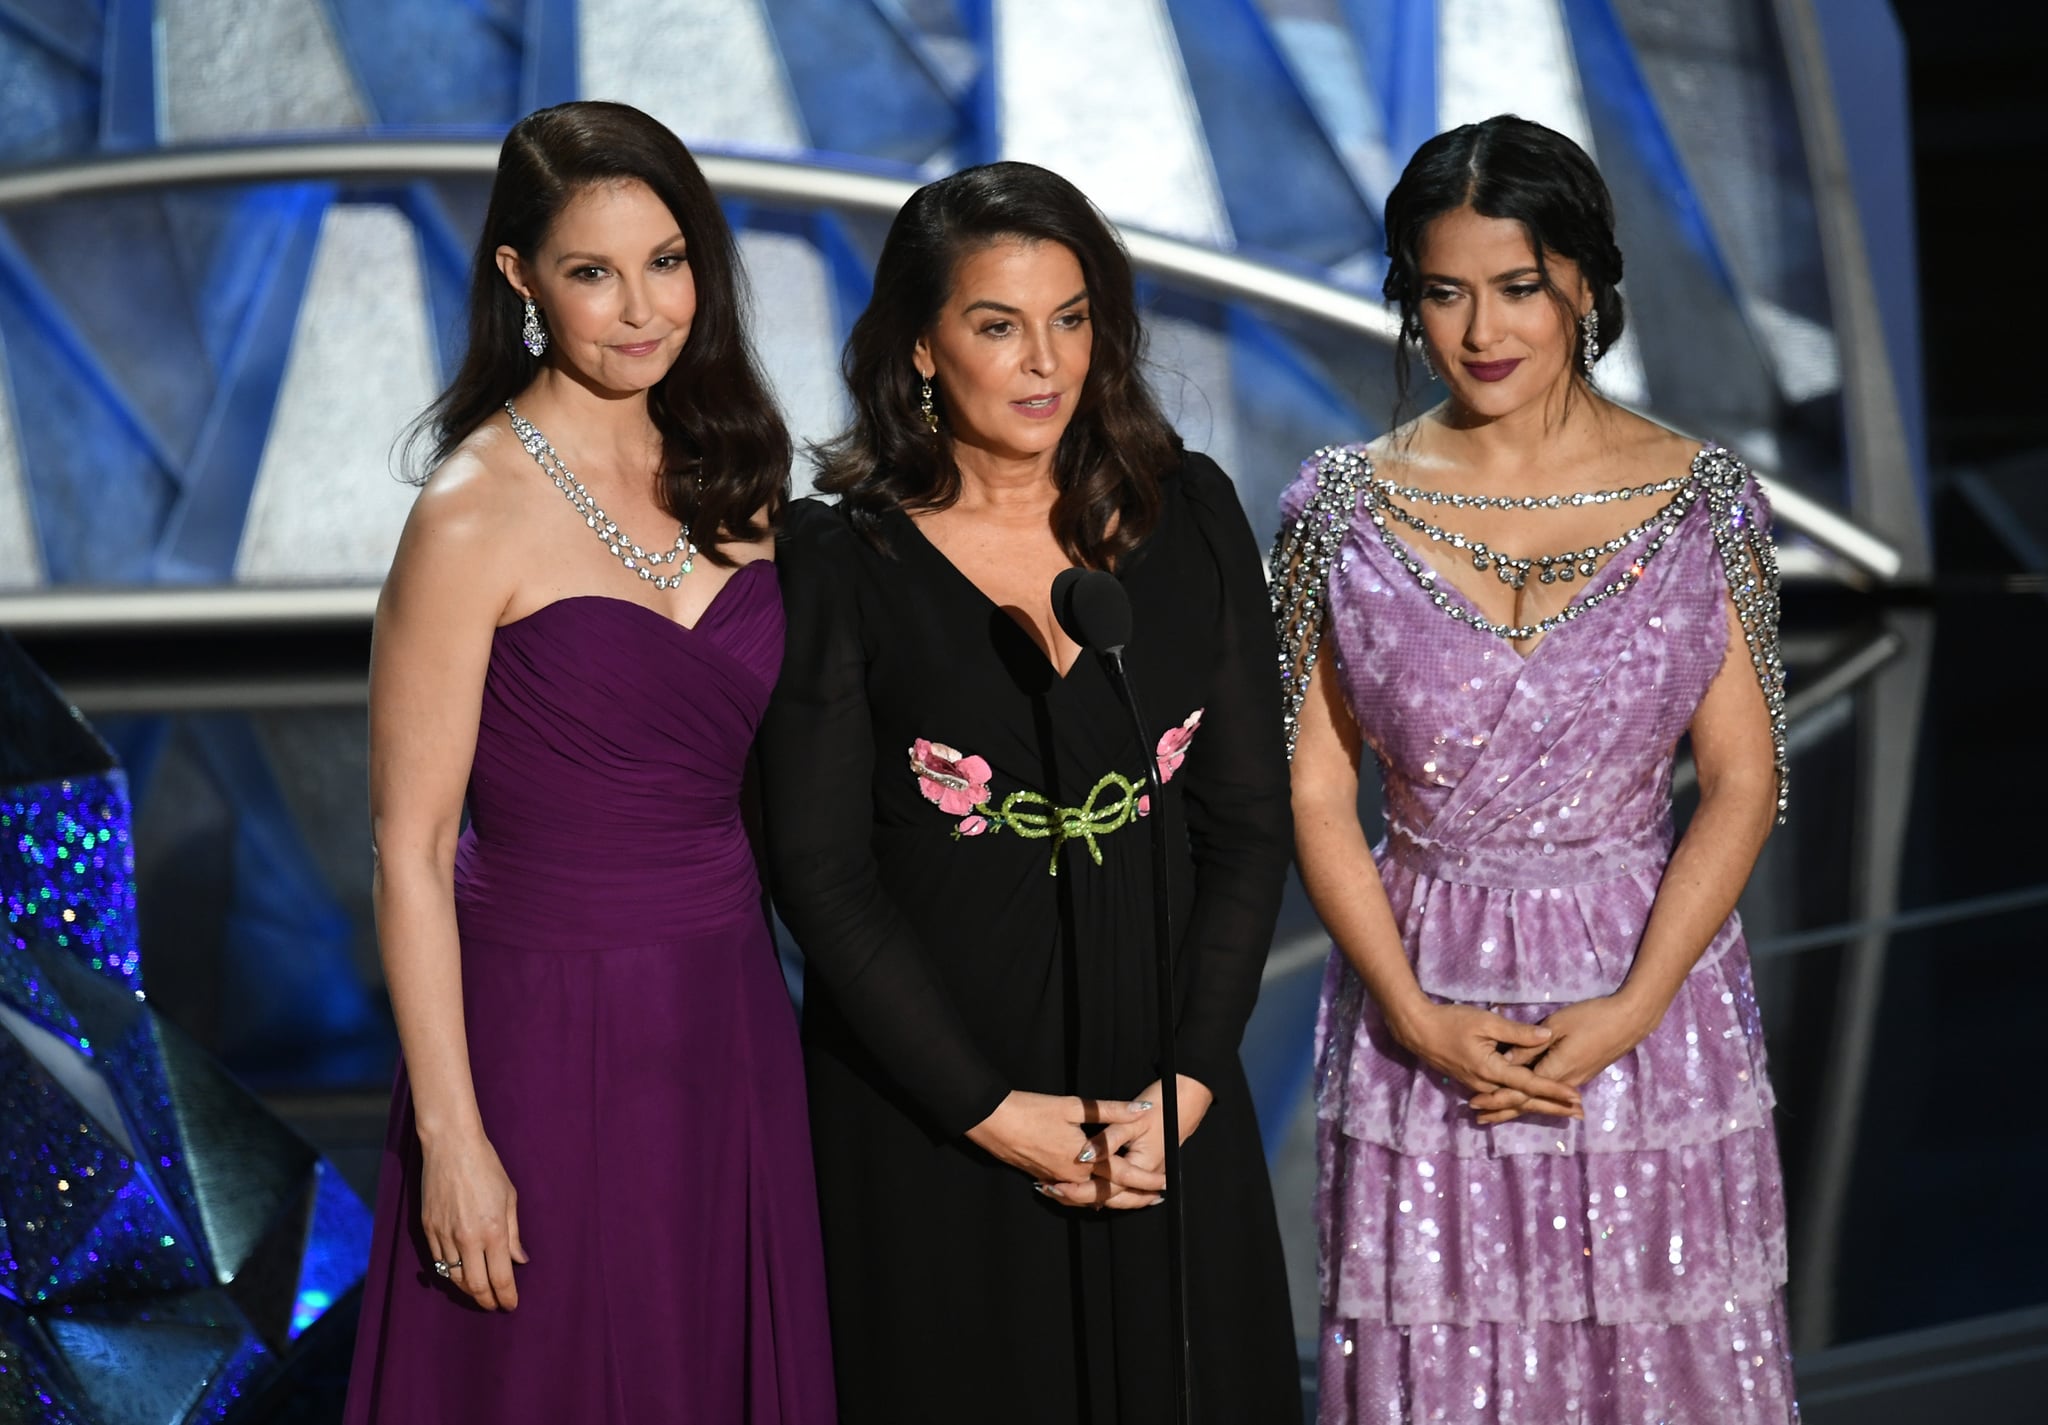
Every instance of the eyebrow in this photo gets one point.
(987, 304)
(1497, 277)
(601, 260)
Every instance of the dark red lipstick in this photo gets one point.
(1492, 370)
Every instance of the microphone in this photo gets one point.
(1094, 611)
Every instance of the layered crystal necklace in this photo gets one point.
(1563, 566)
(1550, 568)
(636, 559)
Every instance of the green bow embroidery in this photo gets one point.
(1037, 817)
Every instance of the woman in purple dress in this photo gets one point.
(596, 1201)
(1549, 1188)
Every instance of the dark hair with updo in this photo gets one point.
(1116, 447)
(1511, 168)
(726, 451)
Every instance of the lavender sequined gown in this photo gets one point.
(1624, 1268)
(634, 1051)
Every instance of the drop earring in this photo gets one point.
(1422, 350)
(924, 406)
(1589, 341)
(532, 335)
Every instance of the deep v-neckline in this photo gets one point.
(1060, 676)
(1471, 606)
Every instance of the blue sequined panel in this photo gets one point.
(67, 879)
(163, 1238)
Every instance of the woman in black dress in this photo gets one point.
(955, 803)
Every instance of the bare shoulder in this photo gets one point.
(1642, 445)
(471, 533)
(1409, 452)
(476, 497)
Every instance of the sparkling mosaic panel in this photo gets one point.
(163, 1238)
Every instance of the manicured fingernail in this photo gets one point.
(1041, 1188)
(1087, 1155)
(1141, 1105)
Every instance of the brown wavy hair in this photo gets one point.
(726, 452)
(1117, 447)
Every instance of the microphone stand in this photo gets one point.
(1162, 940)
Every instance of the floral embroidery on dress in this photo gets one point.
(1173, 745)
(952, 779)
(958, 784)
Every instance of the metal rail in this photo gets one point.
(83, 609)
(785, 182)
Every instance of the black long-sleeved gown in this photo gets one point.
(946, 965)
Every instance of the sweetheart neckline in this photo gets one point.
(656, 614)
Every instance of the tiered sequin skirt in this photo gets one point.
(1627, 1267)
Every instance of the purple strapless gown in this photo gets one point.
(1624, 1268)
(634, 1050)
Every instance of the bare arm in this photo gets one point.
(1731, 746)
(435, 621)
(1337, 867)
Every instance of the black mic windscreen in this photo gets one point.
(1093, 609)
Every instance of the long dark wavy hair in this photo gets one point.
(1507, 167)
(1117, 447)
(726, 451)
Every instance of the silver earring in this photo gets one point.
(1589, 341)
(924, 406)
(532, 334)
(1422, 350)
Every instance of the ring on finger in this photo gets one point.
(442, 1269)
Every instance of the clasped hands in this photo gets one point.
(1121, 1165)
(1515, 1068)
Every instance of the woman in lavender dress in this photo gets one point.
(596, 1202)
(1549, 1187)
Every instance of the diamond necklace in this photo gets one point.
(1529, 502)
(1666, 524)
(1514, 571)
(623, 549)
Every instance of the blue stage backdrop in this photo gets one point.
(203, 384)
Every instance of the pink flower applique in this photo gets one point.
(956, 782)
(1173, 745)
(972, 825)
(1144, 806)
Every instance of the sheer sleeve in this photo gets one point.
(1315, 516)
(1240, 824)
(1741, 516)
(817, 769)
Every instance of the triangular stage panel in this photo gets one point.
(164, 1238)
(148, 1366)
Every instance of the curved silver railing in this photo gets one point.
(761, 180)
(775, 181)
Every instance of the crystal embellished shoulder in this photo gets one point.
(1345, 483)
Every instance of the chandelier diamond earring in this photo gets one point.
(532, 335)
(1589, 341)
(924, 405)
